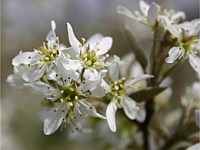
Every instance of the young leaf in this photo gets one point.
(139, 52)
(146, 94)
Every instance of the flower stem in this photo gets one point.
(145, 126)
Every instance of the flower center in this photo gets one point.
(69, 94)
(90, 59)
(117, 88)
(49, 55)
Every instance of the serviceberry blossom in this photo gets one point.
(90, 53)
(82, 81)
(66, 101)
(188, 42)
(43, 59)
(192, 95)
(149, 14)
(119, 90)
(68, 82)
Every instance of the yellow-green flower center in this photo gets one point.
(69, 94)
(48, 55)
(90, 59)
(117, 88)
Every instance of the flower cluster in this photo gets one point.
(70, 78)
(74, 80)
(186, 33)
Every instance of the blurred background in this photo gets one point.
(25, 24)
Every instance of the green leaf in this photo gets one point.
(139, 52)
(146, 94)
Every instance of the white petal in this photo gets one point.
(42, 88)
(197, 117)
(141, 115)
(51, 36)
(92, 81)
(54, 117)
(144, 7)
(130, 107)
(33, 73)
(104, 45)
(188, 29)
(15, 80)
(72, 39)
(174, 54)
(137, 79)
(194, 147)
(110, 115)
(178, 17)
(124, 11)
(98, 91)
(195, 44)
(25, 58)
(93, 75)
(88, 109)
(170, 26)
(114, 68)
(88, 85)
(114, 71)
(53, 25)
(195, 62)
(71, 52)
(196, 26)
(153, 13)
(67, 68)
(93, 40)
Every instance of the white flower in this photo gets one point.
(42, 59)
(94, 82)
(194, 147)
(149, 13)
(189, 43)
(192, 96)
(91, 53)
(16, 79)
(119, 91)
(133, 68)
(66, 103)
(68, 69)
